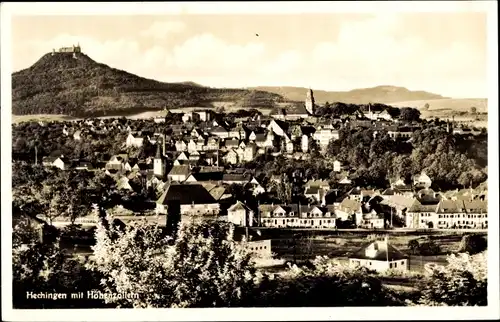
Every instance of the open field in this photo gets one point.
(139, 116)
(301, 248)
(457, 108)
(41, 117)
(448, 104)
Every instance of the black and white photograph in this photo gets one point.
(331, 157)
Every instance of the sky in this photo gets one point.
(441, 52)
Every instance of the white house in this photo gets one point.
(324, 136)
(462, 214)
(349, 209)
(179, 173)
(231, 157)
(117, 162)
(293, 215)
(337, 166)
(421, 215)
(133, 141)
(240, 215)
(249, 152)
(180, 145)
(57, 162)
(304, 143)
(278, 128)
(260, 248)
(194, 200)
(380, 256)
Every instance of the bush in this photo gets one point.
(473, 244)
(202, 267)
(413, 246)
(427, 247)
(326, 284)
(463, 282)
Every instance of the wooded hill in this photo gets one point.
(61, 84)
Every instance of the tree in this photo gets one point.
(473, 244)
(402, 167)
(465, 179)
(473, 110)
(301, 286)
(463, 282)
(313, 148)
(202, 267)
(44, 267)
(409, 114)
(284, 189)
(429, 247)
(426, 106)
(413, 246)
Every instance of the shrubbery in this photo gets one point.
(205, 267)
(473, 244)
(424, 247)
(463, 282)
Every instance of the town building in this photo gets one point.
(380, 256)
(240, 215)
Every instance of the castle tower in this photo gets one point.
(310, 102)
(158, 168)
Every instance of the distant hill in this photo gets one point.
(61, 84)
(379, 94)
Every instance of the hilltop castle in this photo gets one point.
(71, 50)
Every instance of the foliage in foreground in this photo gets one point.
(202, 267)
(463, 282)
(326, 284)
(473, 244)
(44, 267)
(205, 267)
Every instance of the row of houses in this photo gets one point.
(422, 210)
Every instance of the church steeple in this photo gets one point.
(310, 102)
(158, 152)
(158, 166)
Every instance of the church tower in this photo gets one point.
(158, 166)
(310, 102)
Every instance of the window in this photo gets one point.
(395, 264)
(390, 265)
(370, 263)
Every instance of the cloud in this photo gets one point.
(206, 54)
(163, 29)
(286, 62)
(364, 53)
(374, 51)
